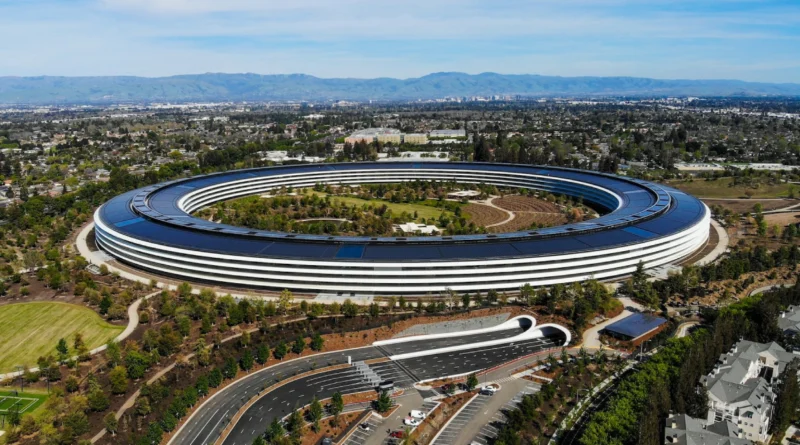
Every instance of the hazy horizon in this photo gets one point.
(747, 40)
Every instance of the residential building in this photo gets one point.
(740, 387)
(789, 321)
(684, 430)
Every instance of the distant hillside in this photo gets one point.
(254, 87)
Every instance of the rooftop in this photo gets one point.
(636, 325)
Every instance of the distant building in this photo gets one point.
(448, 133)
(684, 430)
(417, 228)
(370, 135)
(698, 167)
(415, 138)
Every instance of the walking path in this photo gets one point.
(720, 248)
(489, 202)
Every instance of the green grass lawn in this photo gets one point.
(423, 211)
(31, 330)
(721, 189)
(26, 401)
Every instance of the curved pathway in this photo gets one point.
(720, 248)
(133, 322)
(489, 203)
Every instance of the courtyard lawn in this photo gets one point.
(721, 188)
(423, 211)
(31, 330)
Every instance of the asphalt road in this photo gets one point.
(425, 345)
(204, 426)
(284, 399)
(470, 360)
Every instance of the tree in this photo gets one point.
(788, 401)
(384, 402)
(118, 377)
(114, 353)
(13, 415)
(229, 368)
(285, 301)
(317, 342)
(63, 350)
(98, 400)
(275, 430)
(299, 345)
(337, 406)
(111, 423)
(280, 351)
(315, 413)
(472, 382)
(465, 300)
(262, 354)
(259, 441)
(295, 423)
(246, 362)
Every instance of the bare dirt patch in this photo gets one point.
(782, 219)
(483, 215)
(526, 220)
(518, 203)
(746, 205)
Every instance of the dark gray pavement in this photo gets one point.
(471, 360)
(206, 424)
(426, 345)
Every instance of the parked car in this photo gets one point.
(417, 414)
(399, 434)
(410, 421)
(386, 386)
(488, 390)
(365, 426)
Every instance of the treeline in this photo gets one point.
(669, 380)
(689, 283)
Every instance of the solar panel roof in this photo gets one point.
(636, 325)
(158, 218)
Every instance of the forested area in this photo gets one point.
(690, 282)
(669, 380)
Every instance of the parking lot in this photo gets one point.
(489, 429)
(464, 417)
(361, 435)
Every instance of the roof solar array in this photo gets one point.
(636, 325)
(647, 211)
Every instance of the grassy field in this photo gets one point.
(25, 402)
(31, 330)
(423, 211)
(721, 188)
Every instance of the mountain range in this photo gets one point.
(255, 87)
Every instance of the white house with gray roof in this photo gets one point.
(740, 386)
(684, 430)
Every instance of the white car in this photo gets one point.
(417, 414)
(488, 390)
(410, 421)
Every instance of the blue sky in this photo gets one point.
(756, 40)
